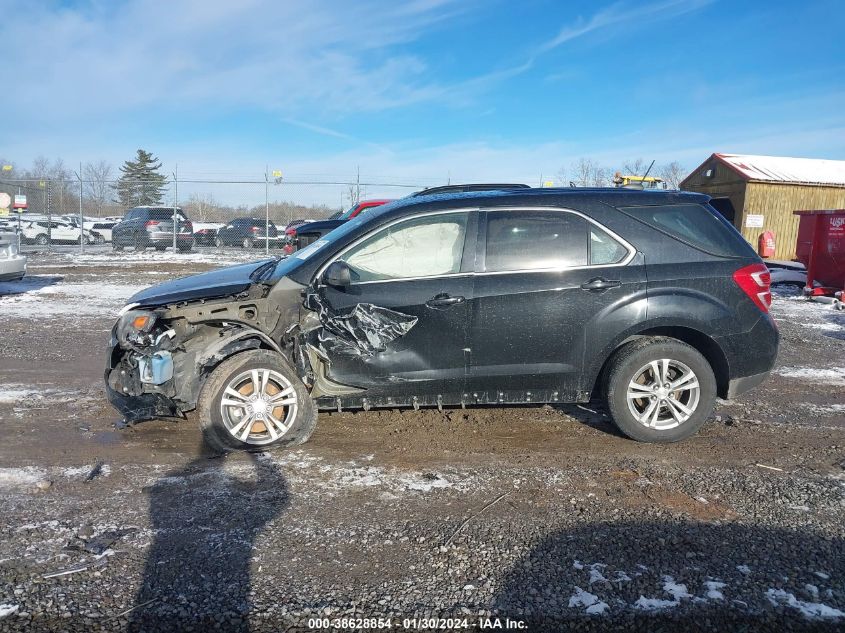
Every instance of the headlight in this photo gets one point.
(134, 327)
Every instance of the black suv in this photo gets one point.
(248, 232)
(649, 299)
(142, 227)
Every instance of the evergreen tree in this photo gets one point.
(140, 182)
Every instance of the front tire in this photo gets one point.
(253, 401)
(660, 390)
(248, 243)
(42, 240)
(138, 244)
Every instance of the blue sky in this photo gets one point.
(423, 90)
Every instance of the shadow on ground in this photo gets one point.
(673, 576)
(206, 518)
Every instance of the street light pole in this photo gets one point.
(81, 219)
(175, 201)
(266, 210)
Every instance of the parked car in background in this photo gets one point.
(205, 233)
(113, 218)
(101, 229)
(12, 263)
(308, 233)
(648, 299)
(147, 226)
(43, 232)
(248, 233)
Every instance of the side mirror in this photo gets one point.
(338, 274)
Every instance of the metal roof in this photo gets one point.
(817, 171)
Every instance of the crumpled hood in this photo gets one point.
(215, 283)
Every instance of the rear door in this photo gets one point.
(422, 267)
(547, 289)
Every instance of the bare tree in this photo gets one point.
(582, 172)
(97, 185)
(672, 174)
(634, 167)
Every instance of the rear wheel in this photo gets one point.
(42, 240)
(248, 243)
(100, 239)
(184, 248)
(219, 242)
(137, 243)
(255, 400)
(117, 247)
(161, 248)
(660, 390)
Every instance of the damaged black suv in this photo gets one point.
(650, 299)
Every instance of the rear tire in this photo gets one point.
(137, 244)
(161, 248)
(642, 406)
(41, 240)
(117, 247)
(229, 400)
(218, 242)
(248, 243)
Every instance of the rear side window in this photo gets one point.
(694, 224)
(535, 240)
(164, 214)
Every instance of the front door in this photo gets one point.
(420, 267)
(545, 291)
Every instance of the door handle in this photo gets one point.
(443, 300)
(600, 283)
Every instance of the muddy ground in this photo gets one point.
(543, 517)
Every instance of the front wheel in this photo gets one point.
(138, 244)
(248, 243)
(42, 240)
(255, 400)
(100, 239)
(219, 242)
(660, 390)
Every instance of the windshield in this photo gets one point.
(290, 264)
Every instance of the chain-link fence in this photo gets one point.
(268, 213)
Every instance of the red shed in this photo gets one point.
(821, 248)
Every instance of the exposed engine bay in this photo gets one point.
(160, 356)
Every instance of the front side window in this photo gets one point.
(419, 247)
(535, 240)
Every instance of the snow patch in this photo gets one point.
(654, 604)
(832, 375)
(582, 598)
(68, 299)
(743, 569)
(677, 590)
(20, 477)
(714, 588)
(811, 610)
(8, 609)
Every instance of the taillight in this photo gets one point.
(255, 229)
(291, 232)
(755, 281)
(151, 223)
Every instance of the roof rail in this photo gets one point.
(468, 187)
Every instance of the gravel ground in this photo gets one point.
(538, 518)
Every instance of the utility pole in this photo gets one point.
(175, 202)
(266, 210)
(48, 198)
(81, 219)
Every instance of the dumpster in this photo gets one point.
(821, 248)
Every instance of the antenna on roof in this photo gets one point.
(646, 171)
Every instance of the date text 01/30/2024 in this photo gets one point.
(418, 624)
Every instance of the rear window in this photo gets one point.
(694, 224)
(164, 214)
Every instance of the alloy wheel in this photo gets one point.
(258, 406)
(663, 394)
